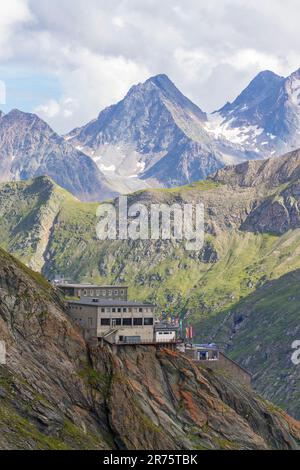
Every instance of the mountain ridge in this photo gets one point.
(265, 117)
(155, 128)
(29, 147)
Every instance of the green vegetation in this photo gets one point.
(261, 329)
(226, 281)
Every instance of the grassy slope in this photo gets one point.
(260, 330)
(175, 279)
(159, 271)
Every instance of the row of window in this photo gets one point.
(126, 309)
(102, 292)
(126, 321)
(119, 309)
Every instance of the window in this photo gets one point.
(85, 292)
(119, 310)
(116, 321)
(122, 292)
(130, 310)
(124, 309)
(138, 321)
(127, 321)
(104, 293)
(148, 321)
(90, 322)
(113, 310)
(91, 293)
(105, 321)
(109, 292)
(116, 292)
(102, 309)
(97, 293)
(140, 310)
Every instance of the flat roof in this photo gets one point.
(165, 326)
(109, 303)
(93, 286)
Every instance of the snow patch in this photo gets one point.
(105, 168)
(219, 127)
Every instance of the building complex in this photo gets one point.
(104, 312)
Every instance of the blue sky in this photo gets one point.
(26, 90)
(68, 59)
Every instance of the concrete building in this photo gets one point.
(91, 290)
(118, 321)
(165, 332)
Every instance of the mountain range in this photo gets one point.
(154, 137)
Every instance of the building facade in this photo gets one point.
(91, 290)
(165, 332)
(118, 321)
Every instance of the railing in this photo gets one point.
(149, 342)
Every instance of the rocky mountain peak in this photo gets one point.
(155, 136)
(29, 147)
(258, 90)
(167, 90)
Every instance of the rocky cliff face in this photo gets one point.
(56, 393)
(30, 148)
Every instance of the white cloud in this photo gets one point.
(247, 58)
(211, 50)
(90, 82)
(49, 109)
(12, 15)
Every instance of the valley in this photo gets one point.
(252, 239)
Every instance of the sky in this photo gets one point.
(66, 60)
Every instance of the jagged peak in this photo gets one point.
(19, 115)
(259, 87)
(167, 89)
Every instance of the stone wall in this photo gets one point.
(229, 366)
